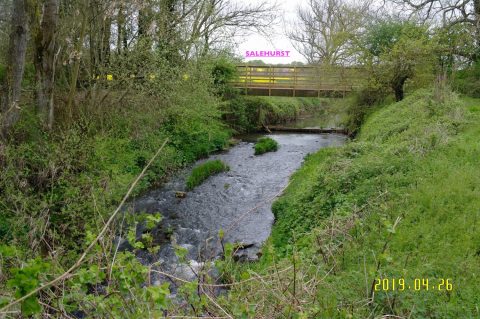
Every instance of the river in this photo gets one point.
(238, 202)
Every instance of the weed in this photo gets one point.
(205, 170)
(264, 145)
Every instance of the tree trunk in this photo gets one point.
(104, 43)
(99, 38)
(44, 61)
(120, 30)
(476, 8)
(16, 57)
(76, 66)
(397, 87)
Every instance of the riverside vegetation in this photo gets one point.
(401, 201)
(205, 170)
(264, 145)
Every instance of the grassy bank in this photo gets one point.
(402, 202)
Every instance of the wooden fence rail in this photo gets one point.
(297, 80)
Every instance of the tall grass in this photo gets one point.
(203, 171)
(264, 145)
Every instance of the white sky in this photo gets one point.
(276, 41)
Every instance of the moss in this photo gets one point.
(264, 145)
(203, 171)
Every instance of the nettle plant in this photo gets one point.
(145, 240)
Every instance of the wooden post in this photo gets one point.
(270, 79)
(318, 81)
(245, 79)
(294, 79)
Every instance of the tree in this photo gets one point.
(44, 29)
(210, 23)
(327, 30)
(16, 63)
(396, 51)
(450, 13)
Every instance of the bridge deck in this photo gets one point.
(297, 80)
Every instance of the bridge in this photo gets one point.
(297, 80)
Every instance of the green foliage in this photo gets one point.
(223, 71)
(58, 187)
(249, 113)
(397, 51)
(467, 81)
(384, 35)
(388, 205)
(123, 295)
(452, 41)
(264, 145)
(26, 279)
(365, 101)
(200, 173)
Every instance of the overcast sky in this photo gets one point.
(276, 41)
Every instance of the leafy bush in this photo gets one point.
(204, 171)
(264, 145)
(249, 113)
(223, 71)
(467, 81)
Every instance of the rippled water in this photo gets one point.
(238, 201)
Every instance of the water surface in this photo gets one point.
(238, 202)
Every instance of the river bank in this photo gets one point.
(235, 203)
(382, 207)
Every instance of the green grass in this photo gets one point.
(264, 145)
(402, 201)
(203, 171)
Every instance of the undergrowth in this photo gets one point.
(250, 113)
(58, 187)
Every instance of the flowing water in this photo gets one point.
(238, 202)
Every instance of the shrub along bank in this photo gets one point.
(58, 188)
(402, 203)
(251, 113)
(76, 173)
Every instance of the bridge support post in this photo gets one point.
(294, 79)
(270, 79)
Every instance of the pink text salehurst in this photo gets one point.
(271, 54)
